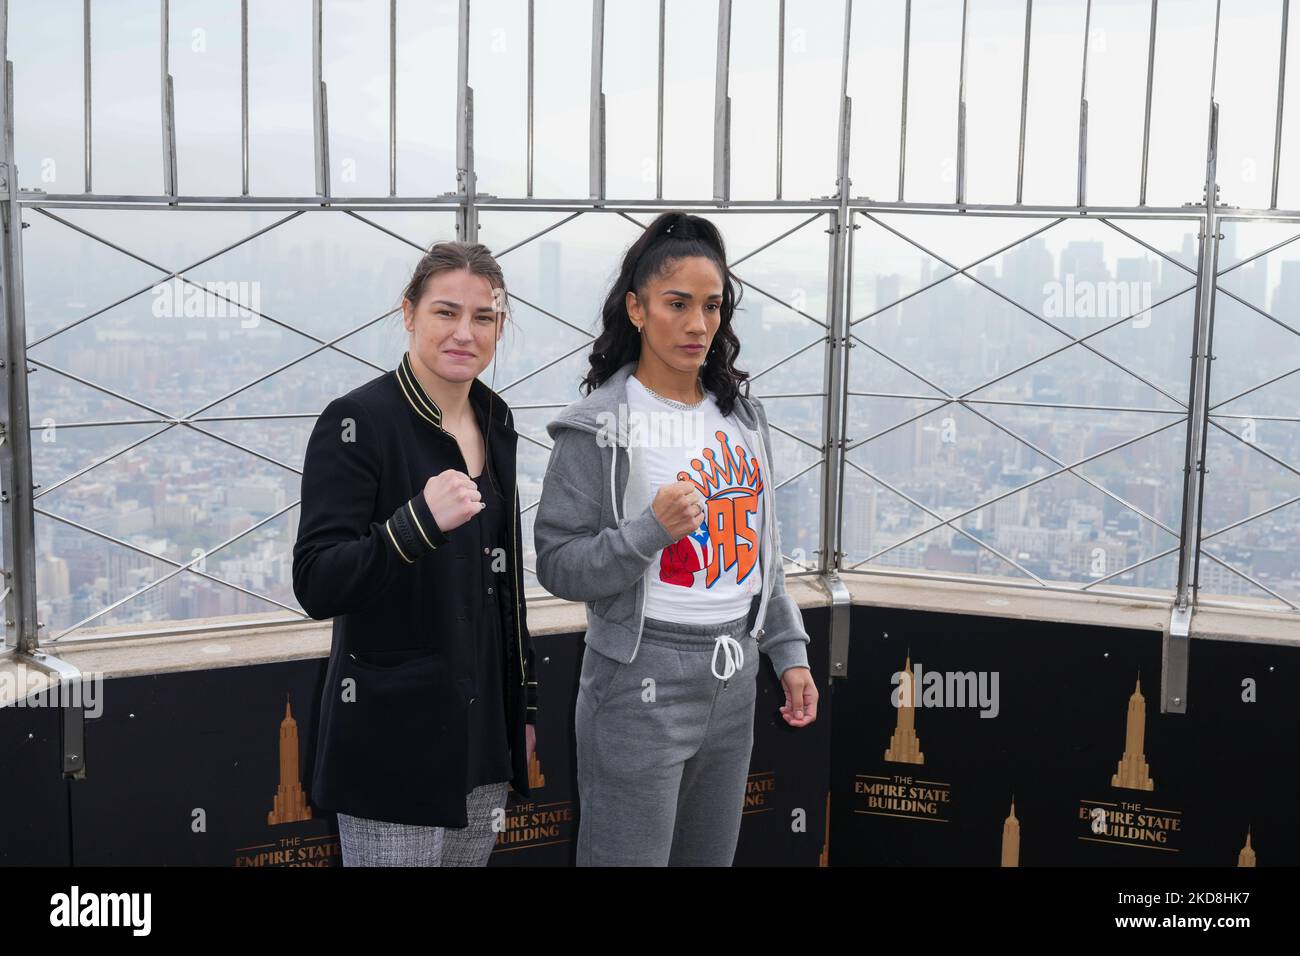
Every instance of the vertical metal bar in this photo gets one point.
(596, 130)
(902, 116)
(22, 629)
(780, 95)
(658, 150)
(529, 158)
(721, 107)
(1281, 89)
(1083, 110)
(836, 378)
(21, 626)
(1024, 102)
(1189, 546)
(659, 127)
(1146, 122)
(85, 76)
(836, 366)
(243, 92)
(961, 108)
(168, 102)
(1174, 644)
(467, 187)
(392, 97)
(320, 146)
(1205, 329)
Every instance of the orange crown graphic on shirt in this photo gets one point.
(730, 481)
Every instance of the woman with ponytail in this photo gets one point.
(657, 512)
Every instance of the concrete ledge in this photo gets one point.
(239, 642)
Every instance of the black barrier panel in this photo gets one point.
(34, 819)
(1073, 734)
(186, 768)
(196, 767)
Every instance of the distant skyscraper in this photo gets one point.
(1084, 260)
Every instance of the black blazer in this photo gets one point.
(392, 742)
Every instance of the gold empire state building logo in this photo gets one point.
(536, 779)
(290, 800)
(1011, 838)
(1132, 772)
(904, 747)
(1247, 855)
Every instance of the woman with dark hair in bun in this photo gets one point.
(410, 540)
(657, 511)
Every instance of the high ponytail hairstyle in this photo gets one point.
(671, 237)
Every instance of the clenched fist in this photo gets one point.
(453, 498)
(679, 508)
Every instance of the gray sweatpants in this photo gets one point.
(663, 749)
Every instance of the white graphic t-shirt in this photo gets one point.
(711, 574)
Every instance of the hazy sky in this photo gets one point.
(46, 47)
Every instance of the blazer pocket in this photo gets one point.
(399, 715)
(387, 660)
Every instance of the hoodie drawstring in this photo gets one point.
(733, 657)
(613, 466)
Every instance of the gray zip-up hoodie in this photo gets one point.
(589, 549)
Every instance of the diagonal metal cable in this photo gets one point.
(1242, 574)
(197, 285)
(912, 501)
(1254, 308)
(187, 420)
(1147, 246)
(789, 434)
(1258, 255)
(178, 570)
(1131, 567)
(167, 274)
(551, 315)
(965, 397)
(1255, 448)
(750, 285)
(794, 354)
(1029, 312)
(1032, 446)
(1073, 406)
(537, 371)
(943, 278)
(1271, 318)
(1029, 484)
(166, 560)
(1254, 388)
(1028, 444)
(498, 255)
(1259, 514)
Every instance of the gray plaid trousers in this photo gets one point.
(367, 842)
